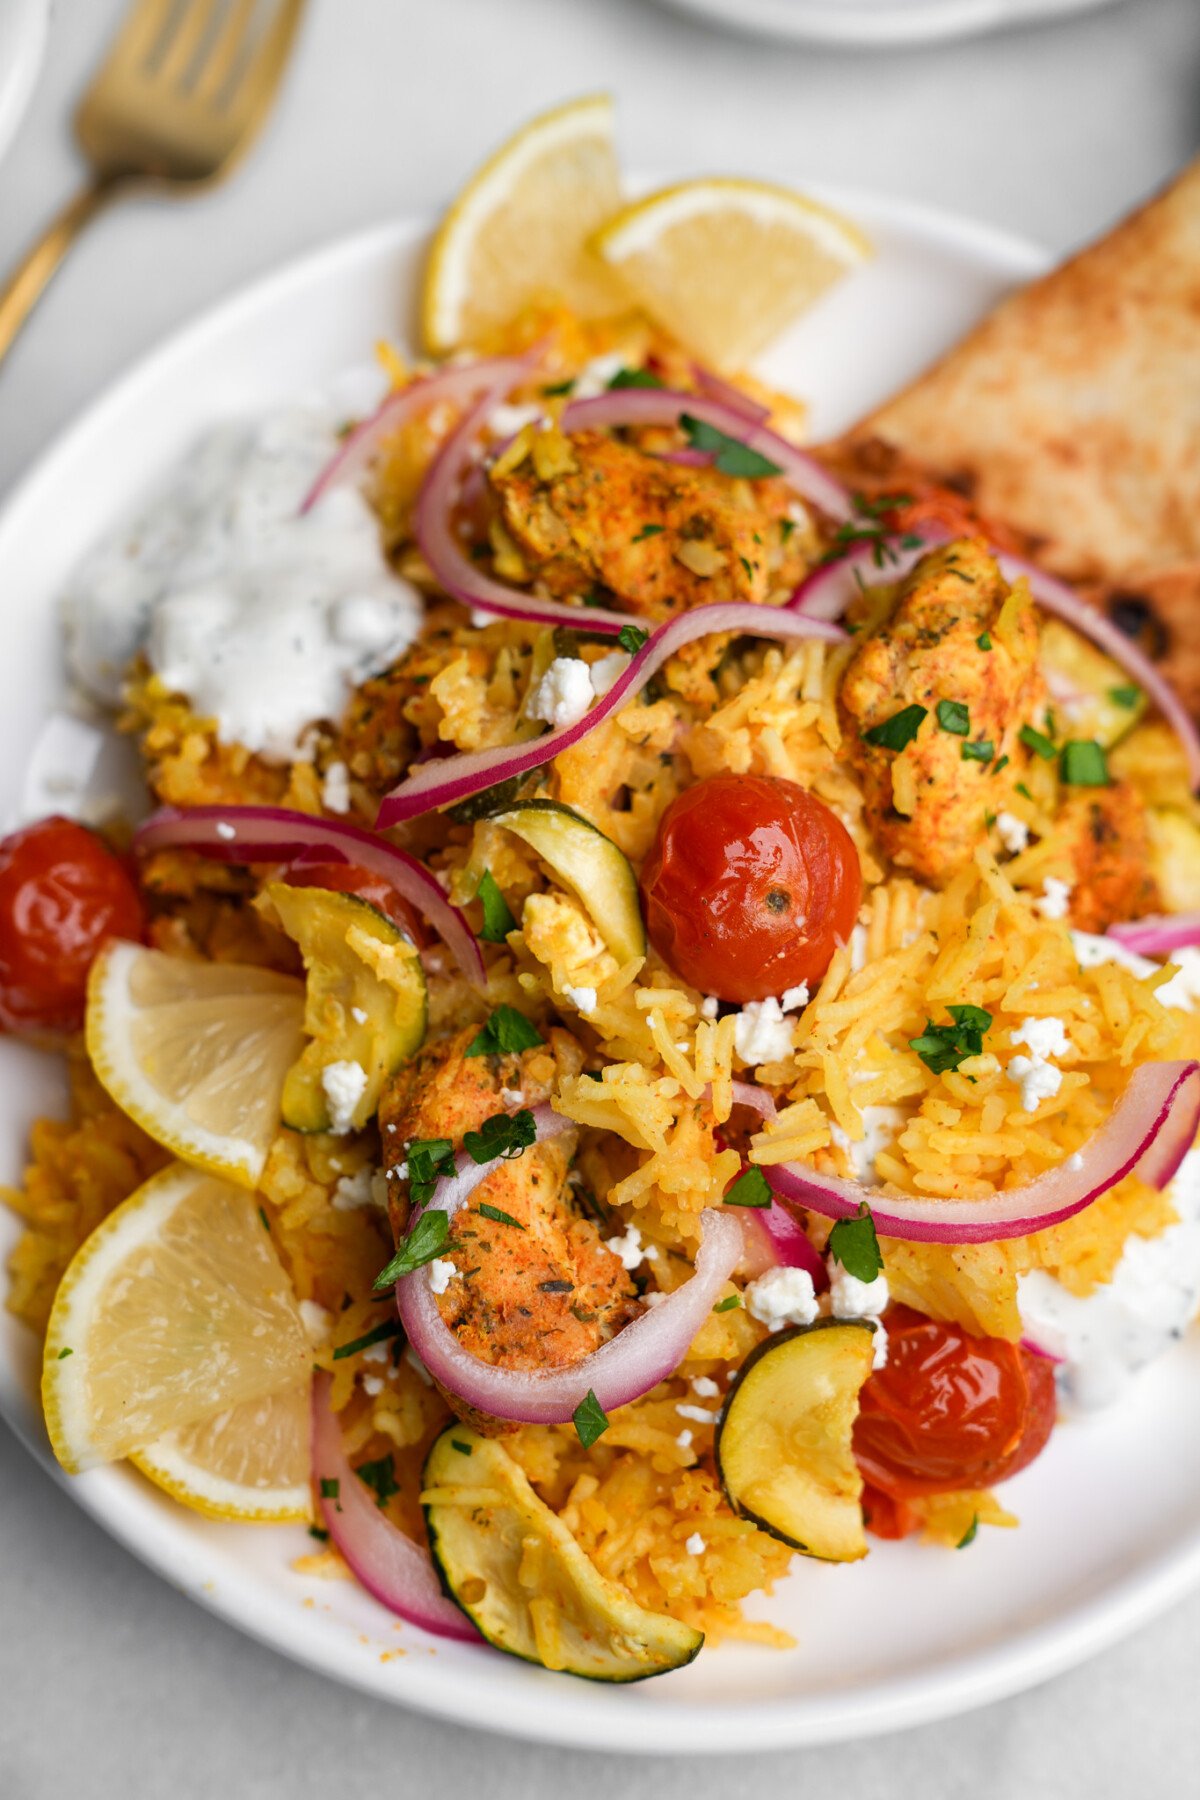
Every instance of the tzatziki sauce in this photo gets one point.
(263, 617)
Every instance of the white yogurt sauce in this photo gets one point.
(1107, 1335)
(263, 618)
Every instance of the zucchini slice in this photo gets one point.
(1175, 858)
(519, 1575)
(589, 863)
(1082, 682)
(364, 1001)
(783, 1445)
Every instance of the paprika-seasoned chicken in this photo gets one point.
(543, 1291)
(957, 638)
(1110, 854)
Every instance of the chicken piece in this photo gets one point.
(543, 1292)
(661, 536)
(958, 634)
(1110, 856)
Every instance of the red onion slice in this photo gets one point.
(829, 588)
(438, 784)
(249, 834)
(1158, 934)
(789, 1243)
(1150, 1130)
(629, 1365)
(394, 1568)
(717, 388)
(664, 406)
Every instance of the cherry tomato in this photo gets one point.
(949, 1410)
(62, 893)
(750, 887)
(349, 878)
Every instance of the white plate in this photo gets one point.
(1110, 1531)
(878, 22)
(23, 26)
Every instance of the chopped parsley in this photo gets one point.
(319, 1532)
(647, 531)
(984, 640)
(389, 1329)
(465, 1449)
(1127, 697)
(868, 527)
(591, 1420)
(559, 387)
(853, 1243)
(750, 1189)
(504, 1134)
(498, 920)
(266, 1223)
(1084, 764)
(954, 717)
(1024, 791)
(897, 732)
(331, 1487)
(969, 1535)
(1038, 742)
(427, 1239)
(66, 1351)
(380, 1477)
(506, 1032)
(496, 1213)
(429, 1159)
(728, 1303)
(1001, 764)
(944, 1047)
(786, 528)
(982, 750)
(634, 378)
(731, 456)
(631, 638)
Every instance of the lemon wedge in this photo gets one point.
(725, 265)
(249, 1461)
(174, 1309)
(195, 1052)
(519, 229)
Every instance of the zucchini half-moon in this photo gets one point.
(589, 863)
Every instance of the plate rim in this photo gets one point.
(1022, 1660)
(922, 22)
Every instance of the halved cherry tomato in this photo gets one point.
(349, 878)
(62, 893)
(750, 887)
(949, 1410)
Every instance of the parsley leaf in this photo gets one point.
(318, 1532)
(389, 1329)
(428, 1160)
(982, 750)
(1038, 742)
(853, 1243)
(501, 1218)
(1084, 764)
(591, 1420)
(497, 915)
(1127, 697)
(66, 1351)
(732, 456)
(427, 1239)
(954, 717)
(750, 1189)
(728, 1303)
(380, 1477)
(944, 1047)
(506, 1032)
(634, 378)
(330, 1488)
(465, 1449)
(559, 387)
(969, 1535)
(984, 640)
(647, 531)
(631, 638)
(504, 1134)
(898, 731)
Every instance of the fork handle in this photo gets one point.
(29, 280)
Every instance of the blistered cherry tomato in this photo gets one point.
(949, 1410)
(349, 878)
(62, 893)
(750, 887)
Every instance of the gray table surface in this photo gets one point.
(111, 1683)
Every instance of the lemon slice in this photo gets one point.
(175, 1308)
(195, 1052)
(519, 230)
(249, 1461)
(726, 265)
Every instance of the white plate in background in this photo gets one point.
(23, 26)
(1111, 1528)
(867, 23)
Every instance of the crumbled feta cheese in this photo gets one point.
(880, 1342)
(358, 1014)
(709, 1007)
(782, 1297)
(695, 1545)
(1183, 989)
(1075, 1161)
(762, 1034)
(225, 831)
(655, 1297)
(1014, 832)
(512, 1098)
(628, 1247)
(699, 1414)
(564, 694)
(858, 948)
(594, 377)
(316, 1321)
(335, 788)
(376, 1353)
(584, 998)
(684, 1440)
(354, 1191)
(479, 618)
(705, 1387)
(1091, 950)
(795, 997)
(372, 1385)
(441, 1273)
(505, 421)
(343, 1084)
(1036, 1079)
(1043, 1037)
(606, 671)
(850, 1298)
(1055, 899)
(880, 1125)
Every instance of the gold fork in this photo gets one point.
(181, 95)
